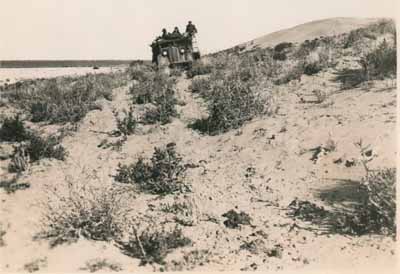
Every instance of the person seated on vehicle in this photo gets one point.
(164, 34)
(191, 29)
(176, 33)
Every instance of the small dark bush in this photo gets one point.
(44, 147)
(350, 78)
(312, 68)
(381, 62)
(282, 46)
(153, 245)
(163, 175)
(13, 130)
(279, 56)
(235, 219)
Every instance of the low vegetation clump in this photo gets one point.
(94, 213)
(380, 207)
(378, 64)
(39, 147)
(145, 90)
(200, 86)
(153, 244)
(163, 175)
(157, 90)
(32, 147)
(165, 108)
(199, 68)
(12, 185)
(64, 99)
(230, 103)
(128, 124)
(13, 130)
(101, 264)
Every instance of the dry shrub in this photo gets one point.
(87, 210)
(378, 64)
(40, 147)
(199, 68)
(65, 99)
(200, 86)
(13, 130)
(380, 206)
(163, 175)
(128, 124)
(159, 91)
(153, 243)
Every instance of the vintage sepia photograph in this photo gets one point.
(142, 136)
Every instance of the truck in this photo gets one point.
(177, 51)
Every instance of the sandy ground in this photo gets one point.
(12, 75)
(276, 151)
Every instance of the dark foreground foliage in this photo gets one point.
(163, 175)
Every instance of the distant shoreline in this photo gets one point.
(61, 63)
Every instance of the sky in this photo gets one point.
(123, 29)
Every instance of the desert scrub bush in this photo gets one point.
(153, 243)
(128, 124)
(39, 147)
(64, 99)
(165, 108)
(230, 104)
(293, 73)
(163, 175)
(200, 86)
(380, 207)
(87, 210)
(13, 130)
(312, 68)
(378, 64)
(19, 161)
(381, 62)
(199, 68)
